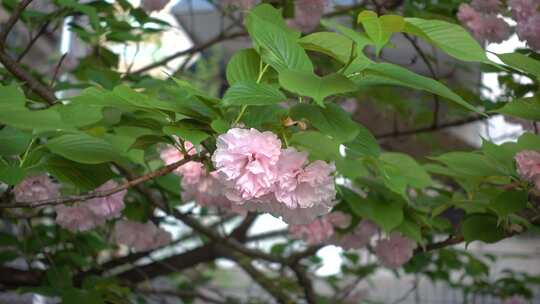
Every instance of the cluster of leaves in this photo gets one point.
(121, 121)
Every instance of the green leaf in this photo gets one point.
(451, 38)
(468, 164)
(365, 144)
(379, 29)
(13, 141)
(411, 230)
(329, 43)
(308, 84)
(80, 114)
(509, 202)
(134, 98)
(243, 66)
(11, 98)
(83, 148)
(38, 120)
(527, 108)
(186, 131)
(522, 62)
(317, 144)
(331, 120)
(279, 45)
(481, 227)
(391, 74)
(388, 215)
(11, 175)
(83, 176)
(400, 170)
(253, 94)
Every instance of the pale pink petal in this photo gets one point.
(77, 218)
(107, 207)
(36, 188)
(139, 236)
(153, 5)
(394, 251)
(307, 14)
(246, 162)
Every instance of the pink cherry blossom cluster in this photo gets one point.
(481, 18)
(94, 212)
(528, 21)
(36, 188)
(528, 166)
(153, 5)
(139, 236)
(320, 230)
(394, 251)
(307, 14)
(197, 183)
(260, 176)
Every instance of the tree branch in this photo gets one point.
(96, 194)
(432, 128)
(219, 38)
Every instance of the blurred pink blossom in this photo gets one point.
(394, 251)
(484, 27)
(359, 237)
(139, 236)
(529, 30)
(316, 232)
(523, 9)
(339, 219)
(107, 207)
(350, 105)
(77, 218)
(93, 212)
(246, 161)
(356, 297)
(36, 188)
(153, 5)
(487, 6)
(307, 14)
(528, 166)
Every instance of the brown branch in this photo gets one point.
(219, 38)
(424, 58)
(15, 16)
(95, 194)
(13, 67)
(432, 128)
(305, 282)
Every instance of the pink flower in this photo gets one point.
(528, 166)
(523, 9)
(515, 299)
(246, 162)
(243, 4)
(300, 186)
(467, 14)
(294, 216)
(486, 6)
(153, 5)
(349, 105)
(356, 297)
(77, 218)
(316, 232)
(339, 219)
(36, 188)
(529, 31)
(394, 251)
(307, 14)
(359, 237)
(209, 192)
(107, 207)
(139, 236)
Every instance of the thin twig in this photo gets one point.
(57, 69)
(15, 16)
(95, 194)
